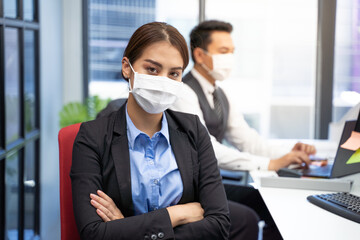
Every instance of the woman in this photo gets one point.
(145, 172)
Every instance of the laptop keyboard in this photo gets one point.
(316, 171)
(343, 204)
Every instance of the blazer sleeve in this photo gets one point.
(212, 197)
(86, 176)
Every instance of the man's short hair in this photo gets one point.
(200, 35)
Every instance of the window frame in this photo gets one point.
(325, 67)
(18, 146)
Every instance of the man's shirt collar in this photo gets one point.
(207, 87)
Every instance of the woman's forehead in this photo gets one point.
(164, 53)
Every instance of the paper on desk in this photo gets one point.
(355, 158)
(353, 142)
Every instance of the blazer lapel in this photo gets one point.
(121, 158)
(181, 148)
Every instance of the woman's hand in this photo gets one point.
(185, 213)
(105, 207)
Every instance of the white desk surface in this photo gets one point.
(297, 218)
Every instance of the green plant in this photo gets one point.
(75, 112)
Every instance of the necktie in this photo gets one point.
(217, 104)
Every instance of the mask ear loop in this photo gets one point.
(206, 52)
(130, 89)
(131, 67)
(203, 65)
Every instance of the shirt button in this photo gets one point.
(151, 162)
(161, 234)
(153, 236)
(156, 181)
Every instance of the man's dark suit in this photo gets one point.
(101, 161)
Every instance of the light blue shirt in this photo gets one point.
(155, 177)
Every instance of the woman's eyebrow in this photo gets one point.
(161, 66)
(177, 68)
(153, 62)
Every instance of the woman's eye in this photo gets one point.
(175, 74)
(152, 70)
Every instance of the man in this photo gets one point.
(212, 52)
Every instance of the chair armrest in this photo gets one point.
(235, 177)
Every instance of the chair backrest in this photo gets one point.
(66, 140)
(112, 106)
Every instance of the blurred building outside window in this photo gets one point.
(346, 92)
(273, 82)
(111, 24)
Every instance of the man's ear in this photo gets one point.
(125, 69)
(198, 55)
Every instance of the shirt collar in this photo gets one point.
(133, 132)
(204, 83)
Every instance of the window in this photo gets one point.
(19, 120)
(12, 85)
(10, 8)
(276, 55)
(29, 13)
(110, 26)
(275, 50)
(12, 193)
(346, 92)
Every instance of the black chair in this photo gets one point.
(112, 106)
(235, 177)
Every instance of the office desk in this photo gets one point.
(297, 218)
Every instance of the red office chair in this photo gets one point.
(66, 140)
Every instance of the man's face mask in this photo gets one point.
(222, 65)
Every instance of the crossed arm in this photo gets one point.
(179, 214)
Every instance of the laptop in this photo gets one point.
(341, 166)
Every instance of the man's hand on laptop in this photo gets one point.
(306, 148)
(299, 155)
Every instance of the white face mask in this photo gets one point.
(154, 94)
(222, 65)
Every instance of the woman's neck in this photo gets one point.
(145, 122)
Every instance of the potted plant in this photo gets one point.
(75, 112)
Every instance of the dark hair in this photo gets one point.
(154, 32)
(200, 35)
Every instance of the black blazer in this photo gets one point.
(101, 161)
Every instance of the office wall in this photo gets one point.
(72, 48)
(51, 103)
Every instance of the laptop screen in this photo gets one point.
(357, 127)
(342, 166)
